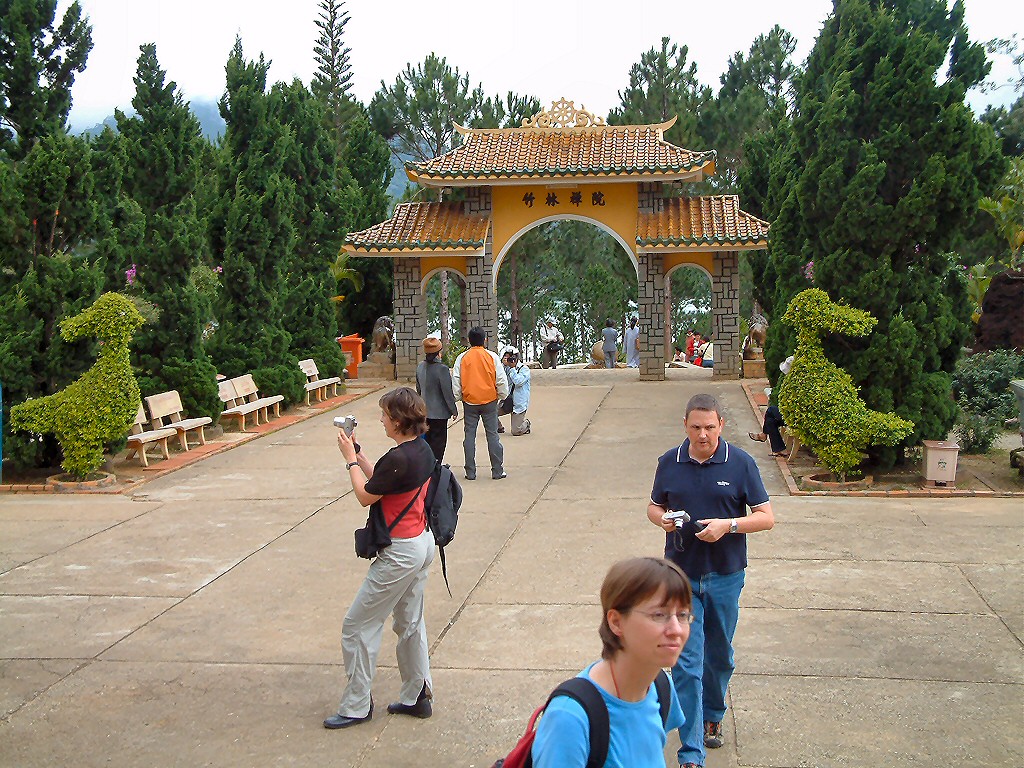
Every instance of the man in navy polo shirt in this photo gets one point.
(714, 482)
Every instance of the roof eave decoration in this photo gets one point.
(701, 223)
(421, 228)
(563, 143)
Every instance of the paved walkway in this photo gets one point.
(196, 622)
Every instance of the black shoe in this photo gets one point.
(340, 721)
(471, 475)
(421, 709)
(502, 476)
(712, 735)
(501, 429)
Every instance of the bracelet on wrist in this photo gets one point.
(351, 464)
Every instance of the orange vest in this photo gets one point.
(478, 377)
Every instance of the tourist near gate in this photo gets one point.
(565, 164)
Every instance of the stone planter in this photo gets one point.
(65, 483)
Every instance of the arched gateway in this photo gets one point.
(564, 164)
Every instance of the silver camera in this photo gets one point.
(680, 516)
(347, 423)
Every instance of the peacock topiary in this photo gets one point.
(819, 400)
(100, 406)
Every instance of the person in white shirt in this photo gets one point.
(552, 339)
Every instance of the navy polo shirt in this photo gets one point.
(723, 486)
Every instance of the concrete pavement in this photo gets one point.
(197, 621)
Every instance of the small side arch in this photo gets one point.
(560, 217)
(459, 277)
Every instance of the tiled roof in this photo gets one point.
(423, 226)
(637, 151)
(696, 221)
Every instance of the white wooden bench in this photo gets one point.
(315, 384)
(141, 438)
(241, 397)
(167, 405)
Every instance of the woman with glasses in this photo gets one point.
(646, 604)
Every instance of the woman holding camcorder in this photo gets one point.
(402, 550)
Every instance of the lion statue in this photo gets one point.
(383, 337)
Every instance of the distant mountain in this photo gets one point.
(205, 110)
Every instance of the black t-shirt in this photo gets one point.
(397, 475)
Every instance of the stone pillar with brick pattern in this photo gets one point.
(725, 314)
(481, 305)
(410, 316)
(651, 314)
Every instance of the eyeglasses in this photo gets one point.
(662, 617)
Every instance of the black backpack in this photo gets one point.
(585, 692)
(443, 502)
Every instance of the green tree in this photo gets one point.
(332, 81)
(663, 86)
(257, 207)
(38, 63)
(1008, 124)
(324, 202)
(163, 146)
(366, 158)
(885, 166)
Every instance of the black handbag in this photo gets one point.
(375, 535)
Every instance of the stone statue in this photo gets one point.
(383, 337)
(753, 344)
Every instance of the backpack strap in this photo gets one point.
(585, 692)
(664, 688)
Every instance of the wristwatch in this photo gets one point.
(734, 526)
(352, 464)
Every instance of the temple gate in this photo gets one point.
(566, 164)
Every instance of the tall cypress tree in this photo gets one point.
(886, 163)
(256, 207)
(163, 145)
(323, 202)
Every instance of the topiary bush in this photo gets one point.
(818, 400)
(100, 406)
(981, 383)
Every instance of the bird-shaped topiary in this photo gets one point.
(100, 406)
(819, 400)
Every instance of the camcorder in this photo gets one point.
(347, 423)
(680, 516)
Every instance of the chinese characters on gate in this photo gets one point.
(575, 199)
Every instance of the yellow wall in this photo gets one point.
(430, 263)
(704, 259)
(510, 213)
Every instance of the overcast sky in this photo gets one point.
(579, 49)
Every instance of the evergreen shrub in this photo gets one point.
(975, 432)
(981, 383)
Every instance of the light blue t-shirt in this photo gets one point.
(636, 739)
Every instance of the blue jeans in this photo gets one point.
(701, 674)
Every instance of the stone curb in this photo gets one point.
(917, 493)
(183, 459)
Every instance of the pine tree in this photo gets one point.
(332, 81)
(663, 86)
(257, 237)
(887, 165)
(38, 63)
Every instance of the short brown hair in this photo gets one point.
(704, 402)
(407, 409)
(629, 583)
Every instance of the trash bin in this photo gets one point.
(939, 459)
(352, 346)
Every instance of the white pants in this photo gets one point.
(394, 584)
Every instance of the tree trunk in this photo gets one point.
(445, 334)
(516, 327)
(668, 319)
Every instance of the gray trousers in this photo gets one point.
(609, 357)
(393, 585)
(472, 415)
(520, 424)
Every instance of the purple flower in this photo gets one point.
(129, 275)
(218, 269)
(809, 271)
